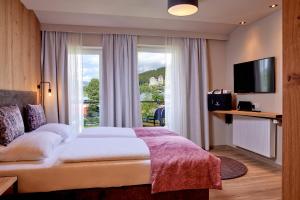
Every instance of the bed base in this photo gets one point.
(140, 192)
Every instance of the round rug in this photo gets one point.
(231, 168)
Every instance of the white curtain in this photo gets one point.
(54, 70)
(120, 105)
(75, 88)
(186, 89)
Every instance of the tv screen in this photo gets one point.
(256, 76)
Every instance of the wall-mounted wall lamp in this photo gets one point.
(49, 89)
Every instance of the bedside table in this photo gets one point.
(8, 184)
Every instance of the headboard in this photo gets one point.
(20, 98)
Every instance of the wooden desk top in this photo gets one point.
(250, 114)
(6, 182)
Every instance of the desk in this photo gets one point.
(228, 114)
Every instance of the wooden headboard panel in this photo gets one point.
(20, 98)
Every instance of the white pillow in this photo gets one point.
(32, 146)
(65, 131)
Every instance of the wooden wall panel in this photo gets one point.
(291, 99)
(20, 44)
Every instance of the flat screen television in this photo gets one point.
(256, 76)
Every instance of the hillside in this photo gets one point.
(145, 76)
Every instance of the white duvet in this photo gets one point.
(107, 132)
(104, 149)
(84, 163)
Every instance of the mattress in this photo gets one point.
(107, 132)
(105, 149)
(54, 174)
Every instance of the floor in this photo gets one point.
(262, 182)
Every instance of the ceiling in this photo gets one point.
(214, 16)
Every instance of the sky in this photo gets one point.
(90, 64)
(146, 61)
(149, 61)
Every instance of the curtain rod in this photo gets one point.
(131, 31)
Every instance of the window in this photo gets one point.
(91, 63)
(151, 68)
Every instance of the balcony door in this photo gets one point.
(91, 65)
(151, 69)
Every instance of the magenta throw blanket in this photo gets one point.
(153, 132)
(179, 164)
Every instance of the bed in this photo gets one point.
(77, 170)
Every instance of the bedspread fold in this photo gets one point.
(179, 164)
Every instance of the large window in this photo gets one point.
(151, 67)
(91, 63)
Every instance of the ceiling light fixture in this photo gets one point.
(243, 22)
(273, 5)
(182, 7)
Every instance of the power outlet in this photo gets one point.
(256, 106)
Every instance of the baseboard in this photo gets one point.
(249, 154)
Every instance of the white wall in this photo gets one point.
(219, 132)
(258, 40)
(250, 42)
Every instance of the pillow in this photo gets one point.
(34, 117)
(65, 131)
(32, 146)
(11, 124)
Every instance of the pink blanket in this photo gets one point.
(153, 132)
(179, 164)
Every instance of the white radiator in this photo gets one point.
(255, 134)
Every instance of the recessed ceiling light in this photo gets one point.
(273, 5)
(182, 7)
(243, 22)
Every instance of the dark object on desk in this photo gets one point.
(245, 106)
(220, 101)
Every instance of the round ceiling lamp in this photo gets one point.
(182, 7)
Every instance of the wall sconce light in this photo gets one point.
(49, 89)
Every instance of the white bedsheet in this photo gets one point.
(52, 174)
(107, 132)
(105, 149)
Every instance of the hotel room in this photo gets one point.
(140, 100)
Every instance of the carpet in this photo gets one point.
(231, 168)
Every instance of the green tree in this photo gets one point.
(92, 92)
(157, 93)
(145, 76)
(151, 93)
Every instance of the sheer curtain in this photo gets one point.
(176, 87)
(186, 89)
(54, 58)
(120, 105)
(75, 88)
(62, 67)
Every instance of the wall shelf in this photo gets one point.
(228, 114)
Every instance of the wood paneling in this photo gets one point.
(6, 183)
(262, 181)
(291, 99)
(20, 47)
